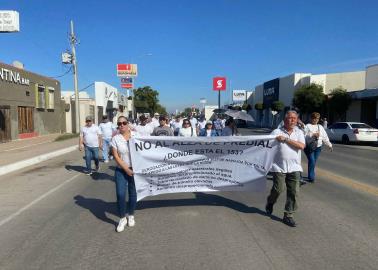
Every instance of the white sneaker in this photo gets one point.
(121, 224)
(106, 161)
(131, 221)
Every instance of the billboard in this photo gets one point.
(124, 70)
(219, 83)
(239, 95)
(127, 85)
(271, 92)
(9, 21)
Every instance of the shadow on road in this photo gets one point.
(98, 208)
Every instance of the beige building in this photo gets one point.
(282, 89)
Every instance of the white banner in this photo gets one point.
(180, 164)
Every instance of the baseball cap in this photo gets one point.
(209, 122)
(89, 118)
(156, 114)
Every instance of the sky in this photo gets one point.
(180, 45)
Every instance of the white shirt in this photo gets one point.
(288, 158)
(90, 135)
(106, 130)
(310, 129)
(188, 132)
(194, 122)
(145, 130)
(176, 125)
(202, 124)
(154, 122)
(121, 145)
(208, 132)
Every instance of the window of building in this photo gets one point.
(40, 97)
(51, 98)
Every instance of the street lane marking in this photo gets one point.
(23, 209)
(348, 182)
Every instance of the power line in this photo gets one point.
(64, 74)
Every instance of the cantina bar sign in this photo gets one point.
(12, 76)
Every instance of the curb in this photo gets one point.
(31, 161)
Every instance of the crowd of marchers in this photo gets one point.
(293, 137)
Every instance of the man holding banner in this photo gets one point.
(287, 166)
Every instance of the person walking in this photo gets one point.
(187, 130)
(325, 123)
(286, 167)
(230, 128)
(176, 125)
(218, 125)
(143, 129)
(315, 137)
(208, 131)
(90, 140)
(124, 175)
(162, 129)
(107, 129)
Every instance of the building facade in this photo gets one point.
(363, 107)
(30, 104)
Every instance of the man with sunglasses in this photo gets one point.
(90, 140)
(162, 129)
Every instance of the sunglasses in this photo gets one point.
(186, 123)
(122, 123)
(87, 121)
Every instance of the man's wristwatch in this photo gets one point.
(286, 140)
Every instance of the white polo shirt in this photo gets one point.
(90, 135)
(288, 158)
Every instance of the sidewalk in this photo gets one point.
(18, 154)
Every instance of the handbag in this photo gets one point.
(312, 144)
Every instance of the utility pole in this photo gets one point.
(73, 42)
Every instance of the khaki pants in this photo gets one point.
(292, 189)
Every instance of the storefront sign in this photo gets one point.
(13, 76)
(9, 21)
(239, 95)
(219, 83)
(124, 70)
(271, 92)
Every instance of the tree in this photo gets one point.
(146, 100)
(277, 106)
(339, 102)
(260, 107)
(246, 107)
(309, 98)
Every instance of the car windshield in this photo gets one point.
(360, 125)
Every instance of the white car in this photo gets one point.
(347, 132)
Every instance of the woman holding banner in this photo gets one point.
(187, 130)
(208, 131)
(124, 174)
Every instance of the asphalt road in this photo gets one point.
(54, 217)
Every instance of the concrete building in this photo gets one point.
(282, 89)
(30, 104)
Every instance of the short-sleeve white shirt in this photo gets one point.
(145, 130)
(121, 145)
(107, 130)
(90, 135)
(288, 158)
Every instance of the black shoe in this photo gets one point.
(269, 208)
(289, 221)
(302, 182)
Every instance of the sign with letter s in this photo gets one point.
(219, 83)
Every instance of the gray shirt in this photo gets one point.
(162, 131)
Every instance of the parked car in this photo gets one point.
(347, 132)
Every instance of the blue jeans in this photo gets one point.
(123, 182)
(105, 148)
(312, 157)
(91, 153)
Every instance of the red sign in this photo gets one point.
(127, 70)
(219, 83)
(127, 85)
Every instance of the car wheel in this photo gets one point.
(345, 139)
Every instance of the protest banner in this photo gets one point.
(181, 164)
